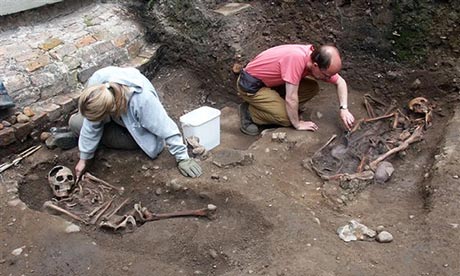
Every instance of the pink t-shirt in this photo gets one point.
(281, 64)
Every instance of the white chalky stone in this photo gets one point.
(17, 251)
(72, 228)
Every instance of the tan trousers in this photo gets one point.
(268, 106)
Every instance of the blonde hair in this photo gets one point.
(98, 101)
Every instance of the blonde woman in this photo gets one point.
(121, 108)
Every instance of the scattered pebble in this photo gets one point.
(156, 167)
(213, 253)
(158, 191)
(72, 228)
(279, 136)
(455, 176)
(23, 118)
(17, 251)
(225, 178)
(44, 135)
(28, 111)
(383, 172)
(416, 84)
(175, 185)
(12, 190)
(317, 221)
(125, 268)
(411, 216)
(384, 237)
(17, 203)
(380, 228)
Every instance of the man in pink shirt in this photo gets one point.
(274, 83)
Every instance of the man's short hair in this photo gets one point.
(322, 57)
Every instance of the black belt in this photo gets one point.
(249, 83)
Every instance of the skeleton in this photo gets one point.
(92, 191)
(376, 141)
(61, 181)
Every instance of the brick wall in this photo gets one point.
(44, 65)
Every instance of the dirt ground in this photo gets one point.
(274, 216)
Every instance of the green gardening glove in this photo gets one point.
(189, 167)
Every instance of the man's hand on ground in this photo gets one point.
(347, 118)
(307, 125)
(189, 167)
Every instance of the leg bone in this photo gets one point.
(50, 205)
(208, 212)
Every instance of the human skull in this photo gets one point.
(420, 105)
(61, 181)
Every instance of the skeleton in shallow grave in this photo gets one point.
(61, 181)
(96, 202)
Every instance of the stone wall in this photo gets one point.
(44, 65)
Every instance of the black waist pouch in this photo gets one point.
(249, 83)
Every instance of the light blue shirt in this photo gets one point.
(146, 119)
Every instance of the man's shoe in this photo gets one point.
(63, 140)
(247, 125)
(5, 100)
(59, 129)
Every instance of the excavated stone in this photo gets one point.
(230, 158)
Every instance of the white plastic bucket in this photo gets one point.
(204, 123)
